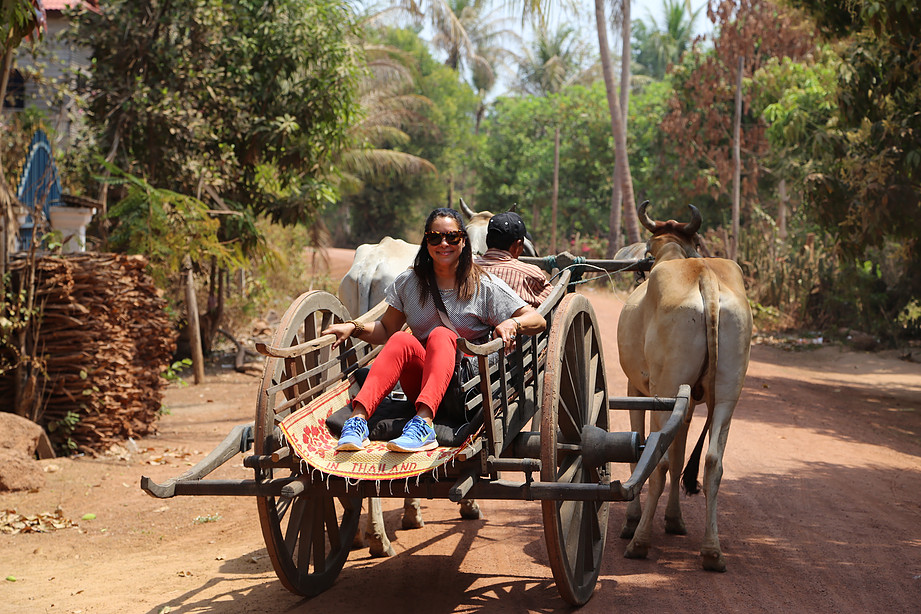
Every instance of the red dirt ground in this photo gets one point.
(820, 511)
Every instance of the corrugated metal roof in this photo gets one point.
(60, 5)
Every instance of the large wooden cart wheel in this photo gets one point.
(574, 395)
(308, 536)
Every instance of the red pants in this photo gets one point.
(423, 372)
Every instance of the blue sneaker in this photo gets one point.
(418, 436)
(354, 434)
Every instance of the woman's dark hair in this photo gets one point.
(467, 281)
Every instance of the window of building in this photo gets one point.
(15, 91)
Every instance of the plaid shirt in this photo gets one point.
(526, 279)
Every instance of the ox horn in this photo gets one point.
(645, 220)
(466, 210)
(694, 225)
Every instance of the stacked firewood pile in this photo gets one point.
(103, 340)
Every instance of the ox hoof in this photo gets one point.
(469, 510)
(379, 547)
(636, 551)
(629, 528)
(413, 521)
(713, 561)
(380, 552)
(675, 526)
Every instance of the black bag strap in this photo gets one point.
(440, 305)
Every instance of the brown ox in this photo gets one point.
(689, 323)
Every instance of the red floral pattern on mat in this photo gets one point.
(310, 439)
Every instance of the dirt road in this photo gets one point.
(820, 511)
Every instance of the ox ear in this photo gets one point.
(467, 211)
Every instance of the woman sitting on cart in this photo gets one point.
(479, 307)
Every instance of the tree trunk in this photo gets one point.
(5, 75)
(198, 359)
(617, 129)
(782, 211)
(6, 193)
(104, 185)
(617, 211)
(556, 189)
(625, 64)
(736, 166)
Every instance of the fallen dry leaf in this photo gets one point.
(45, 522)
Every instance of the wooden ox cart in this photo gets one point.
(541, 414)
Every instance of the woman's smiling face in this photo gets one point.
(444, 253)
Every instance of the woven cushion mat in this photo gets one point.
(311, 439)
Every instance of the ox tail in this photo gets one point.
(709, 292)
(692, 468)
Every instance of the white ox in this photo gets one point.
(689, 323)
(373, 269)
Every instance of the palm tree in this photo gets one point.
(661, 45)
(388, 105)
(470, 37)
(554, 61)
(622, 180)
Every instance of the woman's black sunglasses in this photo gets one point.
(453, 238)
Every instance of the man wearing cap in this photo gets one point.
(505, 243)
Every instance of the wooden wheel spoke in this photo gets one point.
(332, 521)
(596, 403)
(570, 515)
(588, 536)
(305, 535)
(310, 326)
(569, 469)
(294, 523)
(569, 422)
(319, 537)
(282, 505)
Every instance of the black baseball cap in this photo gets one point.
(505, 228)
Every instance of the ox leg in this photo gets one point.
(412, 513)
(469, 509)
(712, 555)
(375, 532)
(638, 548)
(634, 507)
(674, 523)
(358, 542)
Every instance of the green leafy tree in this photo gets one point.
(699, 122)
(167, 226)
(247, 100)
(866, 160)
(515, 164)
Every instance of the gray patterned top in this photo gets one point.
(474, 320)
